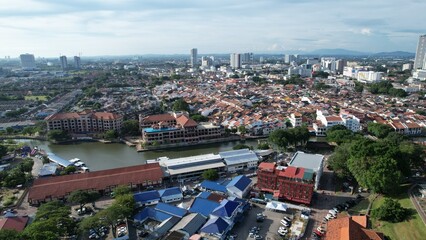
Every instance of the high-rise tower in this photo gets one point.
(194, 53)
(420, 61)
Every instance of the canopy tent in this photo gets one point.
(277, 206)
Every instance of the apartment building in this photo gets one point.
(177, 128)
(84, 122)
(286, 183)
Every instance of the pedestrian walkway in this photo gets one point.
(416, 204)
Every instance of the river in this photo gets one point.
(100, 156)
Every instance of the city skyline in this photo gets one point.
(49, 28)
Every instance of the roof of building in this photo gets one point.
(54, 158)
(170, 209)
(214, 186)
(59, 186)
(203, 206)
(158, 118)
(240, 182)
(239, 156)
(75, 115)
(307, 160)
(204, 195)
(169, 191)
(216, 197)
(215, 225)
(48, 169)
(174, 235)
(151, 213)
(147, 196)
(351, 228)
(267, 166)
(226, 208)
(191, 223)
(191, 164)
(14, 223)
(185, 121)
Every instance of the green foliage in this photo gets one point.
(16, 113)
(210, 174)
(292, 136)
(385, 87)
(199, 118)
(111, 134)
(14, 178)
(52, 221)
(241, 146)
(121, 190)
(338, 161)
(58, 135)
(390, 211)
(3, 151)
(126, 201)
(130, 128)
(69, 169)
(242, 129)
(7, 234)
(359, 87)
(111, 215)
(320, 74)
(83, 197)
(180, 105)
(379, 130)
(321, 86)
(339, 134)
(263, 146)
(26, 165)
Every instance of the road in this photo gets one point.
(416, 204)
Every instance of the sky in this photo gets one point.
(48, 28)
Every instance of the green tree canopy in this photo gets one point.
(199, 118)
(83, 197)
(338, 160)
(379, 130)
(3, 151)
(111, 134)
(241, 146)
(58, 135)
(121, 190)
(130, 128)
(7, 234)
(391, 211)
(180, 105)
(263, 146)
(210, 174)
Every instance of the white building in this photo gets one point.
(419, 61)
(235, 60)
(309, 161)
(288, 58)
(240, 160)
(369, 76)
(328, 63)
(194, 53)
(351, 122)
(407, 66)
(420, 74)
(304, 70)
(239, 186)
(27, 61)
(296, 119)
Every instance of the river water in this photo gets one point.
(100, 156)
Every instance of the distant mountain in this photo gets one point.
(337, 51)
(394, 54)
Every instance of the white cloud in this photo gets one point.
(366, 31)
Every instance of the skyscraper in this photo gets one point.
(235, 60)
(194, 53)
(420, 60)
(64, 63)
(77, 62)
(27, 61)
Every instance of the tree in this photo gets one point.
(3, 151)
(27, 165)
(390, 211)
(58, 135)
(279, 138)
(111, 215)
(242, 129)
(263, 146)
(379, 130)
(210, 174)
(339, 136)
(121, 190)
(69, 169)
(91, 223)
(199, 118)
(180, 105)
(7, 234)
(83, 197)
(359, 87)
(130, 128)
(14, 178)
(241, 146)
(338, 161)
(51, 222)
(111, 134)
(127, 201)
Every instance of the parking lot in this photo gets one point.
(268, 228)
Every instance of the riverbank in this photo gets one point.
(140, 148)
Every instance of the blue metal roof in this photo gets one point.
(152, 214)
(203, 206)
(204, 195)
(215, 225)
(214, 186)
(226, 208)
(52, 157)
(169, 191)
(148, 196)
(48, 169)
(170, 209)
(240, 182)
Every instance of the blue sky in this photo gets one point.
(120, 27)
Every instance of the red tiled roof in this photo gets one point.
(159, 118)
(13, 223)
(62, 185)
(75, 115)
(267, 166)
(292, 172)
(186, 121)
(350, 228)
(333, 119)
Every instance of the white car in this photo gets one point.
(332, 212)
(285, 223)
(283, 229)
(320, 229)
(281, 232)
(287, 219)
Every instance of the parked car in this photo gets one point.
(287, 219)
(285, 223)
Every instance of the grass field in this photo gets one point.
(360, 208)
(406, 230)
(36, 98)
